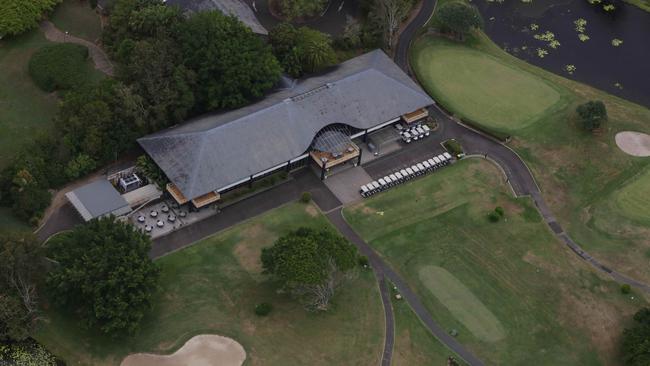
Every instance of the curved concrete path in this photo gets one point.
(100, 58)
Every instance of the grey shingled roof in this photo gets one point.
(216, 150)
(238, 8)
(97, 199)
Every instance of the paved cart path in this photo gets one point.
(100, 58)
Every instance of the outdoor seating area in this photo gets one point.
(404, 175)
(413, 132)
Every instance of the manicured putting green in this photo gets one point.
(462, 303)
(480, 87)
(633, 199)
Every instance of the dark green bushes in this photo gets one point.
(454, 147)
(263, 309)
(59, 67)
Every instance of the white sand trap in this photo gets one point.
(633, 143)
(202, 350)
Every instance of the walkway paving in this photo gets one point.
(384, 271)
(100, 58)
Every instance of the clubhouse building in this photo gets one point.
(312, 122)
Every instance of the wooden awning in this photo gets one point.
(415, 115)
(331, 160)
(176, 193)
(206, 199)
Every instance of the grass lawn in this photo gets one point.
(213, 286)
(586, 179)
(515, 294)
(414, 344)
(78, 18)
(480, 87)
(25, 109)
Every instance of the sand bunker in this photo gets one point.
(633, 143)
(202, 350)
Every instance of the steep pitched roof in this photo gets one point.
(216, 150)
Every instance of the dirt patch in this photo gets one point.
(202, 350)
(633, 143)
(311, 210)
(247, 251)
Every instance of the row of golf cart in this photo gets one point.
(413, 133)
(406, 174)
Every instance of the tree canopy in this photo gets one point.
(301, 50)
(21, 270)
(295, 9)
(310, 264)
(459, 18)
(18, 16)
(233, 65)
(104, 274)
(592, 114)
(636, 340)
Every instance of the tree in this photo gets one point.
(21, 269)
(459, 18)
(283, 39)
(18, 16)
(59, 67)
(393, 12)
(29, 198)
(316, 50)
(301, 50)
(153, 69)
(636, 340)
(101, 121)
(292, 9)
(104, 274)
(592, 114)
(310, 264)
(233, 66)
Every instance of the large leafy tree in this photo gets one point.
(154, 70)
(592, 114)
(101, 121)
(18, 16)
(459, 18)
(636, 340)
(21, 270)
(104, 274)
(310, 264)
(301, 50)
(233, 66)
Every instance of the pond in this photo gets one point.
(582, 45)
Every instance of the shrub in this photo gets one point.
(59, 67)
(592, 114)
(493, 216)
(625, 289)
(363, 261)
(500, 211)
(454, 147)
(305, 197)
(263, 309)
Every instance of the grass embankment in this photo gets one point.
(516, 295)
(78, 18)
(213, 287)
(581, 175)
